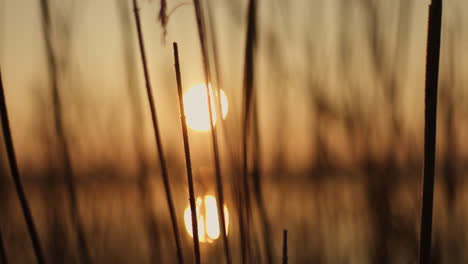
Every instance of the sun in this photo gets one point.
(196, 107)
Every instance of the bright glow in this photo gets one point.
(196, 107)
(207, 217)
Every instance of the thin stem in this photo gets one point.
(157, 135)
(226, 134)
(249, 92)
(188, 162)
(257, 184)
(17, 179)
(219, 182)
(285, 246)
(60, 130)
(144, 192)
(3, 256)
(430, 118)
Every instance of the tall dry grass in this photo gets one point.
(430, 122)
(219, 181)
(188, 162)
(159, 145)
(285, 246)
(248, 93)
(137, 124)
(60, 131)
(32, 231)
(251, 127)
(3, 256)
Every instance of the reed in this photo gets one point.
(214, 49)
(137, 120)
(3, 256)
(188, 162)
(226, 133)
(250, 116)
(157, 135)
(430, 121)
(17, 179)
(257, 186)
(248, 91)
(60, 131)
(219, 181)
(285, 246)
(163, 17)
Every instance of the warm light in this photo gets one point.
(207, 217)
(196, 107)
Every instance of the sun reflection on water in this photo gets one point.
(207, 217)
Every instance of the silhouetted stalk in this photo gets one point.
(226, 133)
(59, 127)
(144, 192)
(251, 115)
(248, 90)
(163, 18)
(214, 46)
(157, 135)
(17, 179)
(285, 246)
(430, 120)
(217, 67)
(389, 67)
(219, 181)
(3, 256)
(237, 171)
(219, 85)
(257, 184)
(447, 104)
(219, 82)
(188, 163)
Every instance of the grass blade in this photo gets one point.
(430, 120)
(188, 162)
(157, 135)
(17, 179)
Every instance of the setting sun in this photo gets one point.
(207, 217)
(196, 107)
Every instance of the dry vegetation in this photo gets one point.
(325, 139)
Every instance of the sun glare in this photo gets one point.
(207, 217)
(196, 107)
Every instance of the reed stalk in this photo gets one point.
(226, 134)
(257, 185)
(3, 256)
(157, 135)
(285, 246)
(188, 162)
(250, 118)
(219, 181)
(248, 92)
(163, 17)
(137, 119)
(240, 204)
(17, 179)
(60, 131)
(430, 121)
